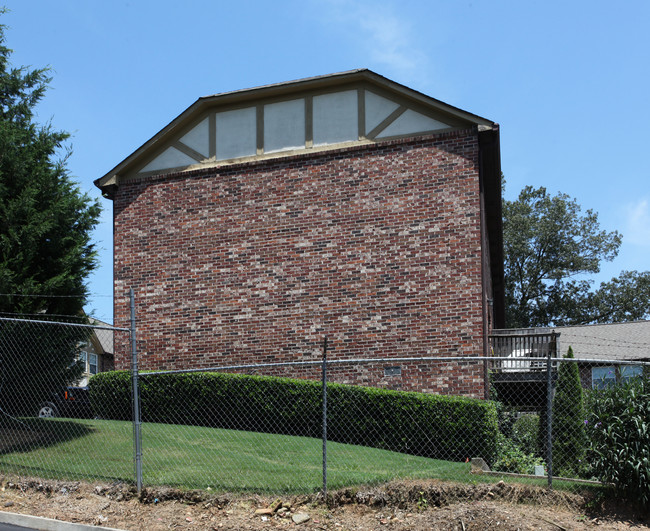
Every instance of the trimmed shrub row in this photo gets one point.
(442, 427)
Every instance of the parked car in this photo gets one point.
(69, 402)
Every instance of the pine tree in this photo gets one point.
(568, 425)
(46, 251)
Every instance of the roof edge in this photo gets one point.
(109, 181)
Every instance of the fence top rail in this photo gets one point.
(37, 321)
(391, 360)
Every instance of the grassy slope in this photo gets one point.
(198, 457)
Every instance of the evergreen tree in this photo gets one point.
(568, 425)
(45, 247)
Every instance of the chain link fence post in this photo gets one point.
(324, 372)
(549, 418)
(137, 435)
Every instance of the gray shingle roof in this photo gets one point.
(104, 336)
(615, 341)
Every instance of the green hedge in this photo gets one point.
(443, 427)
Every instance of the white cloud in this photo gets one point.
(638, 223)
(389, 41)
(382, 34)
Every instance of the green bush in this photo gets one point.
(517, 443)
(618, 427)
(511, 458)
(568, 425)
(110, 395)
(444, 427)
(524, 432)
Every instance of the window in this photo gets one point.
(602, 377)
(630, 371)
(89, 362)
(92, 363)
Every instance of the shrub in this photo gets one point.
(618, 427)
(524, 432)
(568, 424)
(516, 446)
(511, 458)
(444, 427)
(110, 395)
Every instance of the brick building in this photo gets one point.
(348, 206)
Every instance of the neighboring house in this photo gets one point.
(96, 354)
(349, 206)
(604, 343)
(607, 353)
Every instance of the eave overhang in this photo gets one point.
(490, 175)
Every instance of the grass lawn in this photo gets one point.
(199, 457)
(224, 460)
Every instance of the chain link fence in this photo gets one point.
(260, 428)
(47, 424)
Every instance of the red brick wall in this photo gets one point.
(378, 247)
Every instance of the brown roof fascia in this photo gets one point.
(490, 170)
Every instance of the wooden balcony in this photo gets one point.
(518, 373)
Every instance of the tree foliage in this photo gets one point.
(45, 223)
(550, 248)
(624, 298)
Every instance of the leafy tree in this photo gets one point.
(549, 246)
(624, 298)
(568, 425)
(45, 225)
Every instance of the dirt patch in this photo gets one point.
(400, 505)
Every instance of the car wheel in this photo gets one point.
(48, 409)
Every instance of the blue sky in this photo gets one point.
(567, 81)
